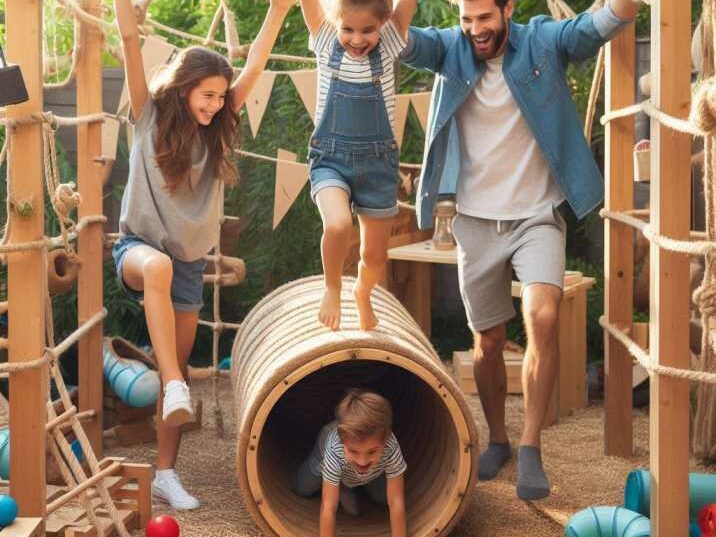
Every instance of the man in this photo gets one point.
(505, 133)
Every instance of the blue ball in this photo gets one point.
(8, 510)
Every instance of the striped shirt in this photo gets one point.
(328, 459)
(390, 46)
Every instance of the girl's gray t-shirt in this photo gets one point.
(185, 223)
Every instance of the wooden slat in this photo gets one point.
(24, 527)
(90, 242)
(618, 240)
(669, 305)
(26, 271)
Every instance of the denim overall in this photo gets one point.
(353, 147)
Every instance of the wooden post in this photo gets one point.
(27, 282)
(618, 243)
(669, 305)
(91, 241)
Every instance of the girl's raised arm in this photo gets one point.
(402, 15)
(259, 53)
(133, 63)
(313, 15)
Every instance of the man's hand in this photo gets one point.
(625, 9)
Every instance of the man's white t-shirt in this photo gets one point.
(503, 173)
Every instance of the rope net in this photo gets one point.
(701, 123)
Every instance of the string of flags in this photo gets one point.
(291, 176)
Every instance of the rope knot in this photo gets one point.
(65, 200)
(705, 298)
(703, 106)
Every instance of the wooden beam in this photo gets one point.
(669, 307)
(618, 243)
(27, 282)
(90, 241)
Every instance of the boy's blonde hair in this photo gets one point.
(382, 9)
(362, 414)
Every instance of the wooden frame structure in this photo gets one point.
(669, 215)
(90, 240)
(27, 279)
(26, 270)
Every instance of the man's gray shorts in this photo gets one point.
(488, 250)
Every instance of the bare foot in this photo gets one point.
(330, 310)
(366, 318)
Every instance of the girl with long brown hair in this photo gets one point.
(185, 128)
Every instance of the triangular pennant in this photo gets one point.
(155, 52)
(401, 112)
(305, 82)
(258, 99)
(290, 178)
(421, 104)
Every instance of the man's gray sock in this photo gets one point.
(532, 482)
(494, 458)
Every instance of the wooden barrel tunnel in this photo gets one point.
(289, 372)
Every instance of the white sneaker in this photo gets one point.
(166, 487)
(177, 409)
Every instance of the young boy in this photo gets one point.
(358, 449)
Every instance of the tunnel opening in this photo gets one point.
(422, 422)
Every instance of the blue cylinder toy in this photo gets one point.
(607, 522)
(5, 453)
(77, 449)
(702, 491)
(8, 510)
(133, 382)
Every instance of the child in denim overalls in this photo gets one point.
(353, 153)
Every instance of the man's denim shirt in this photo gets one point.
(536, 57)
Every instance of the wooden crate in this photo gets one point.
(23, 527)
(130, 488)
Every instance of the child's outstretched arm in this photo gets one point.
(313, 15)
(402, 15)
(329, 505)
(133, 63)
(259, 53)
(395, 492)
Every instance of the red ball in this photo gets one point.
(707, 520)
(162, 526)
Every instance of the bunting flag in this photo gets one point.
(258, 100)
(290, 178)
(305, 82)
(421, 104)
(401, 113)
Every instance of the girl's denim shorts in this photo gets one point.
(187, 282)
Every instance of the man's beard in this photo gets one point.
(498, 39)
